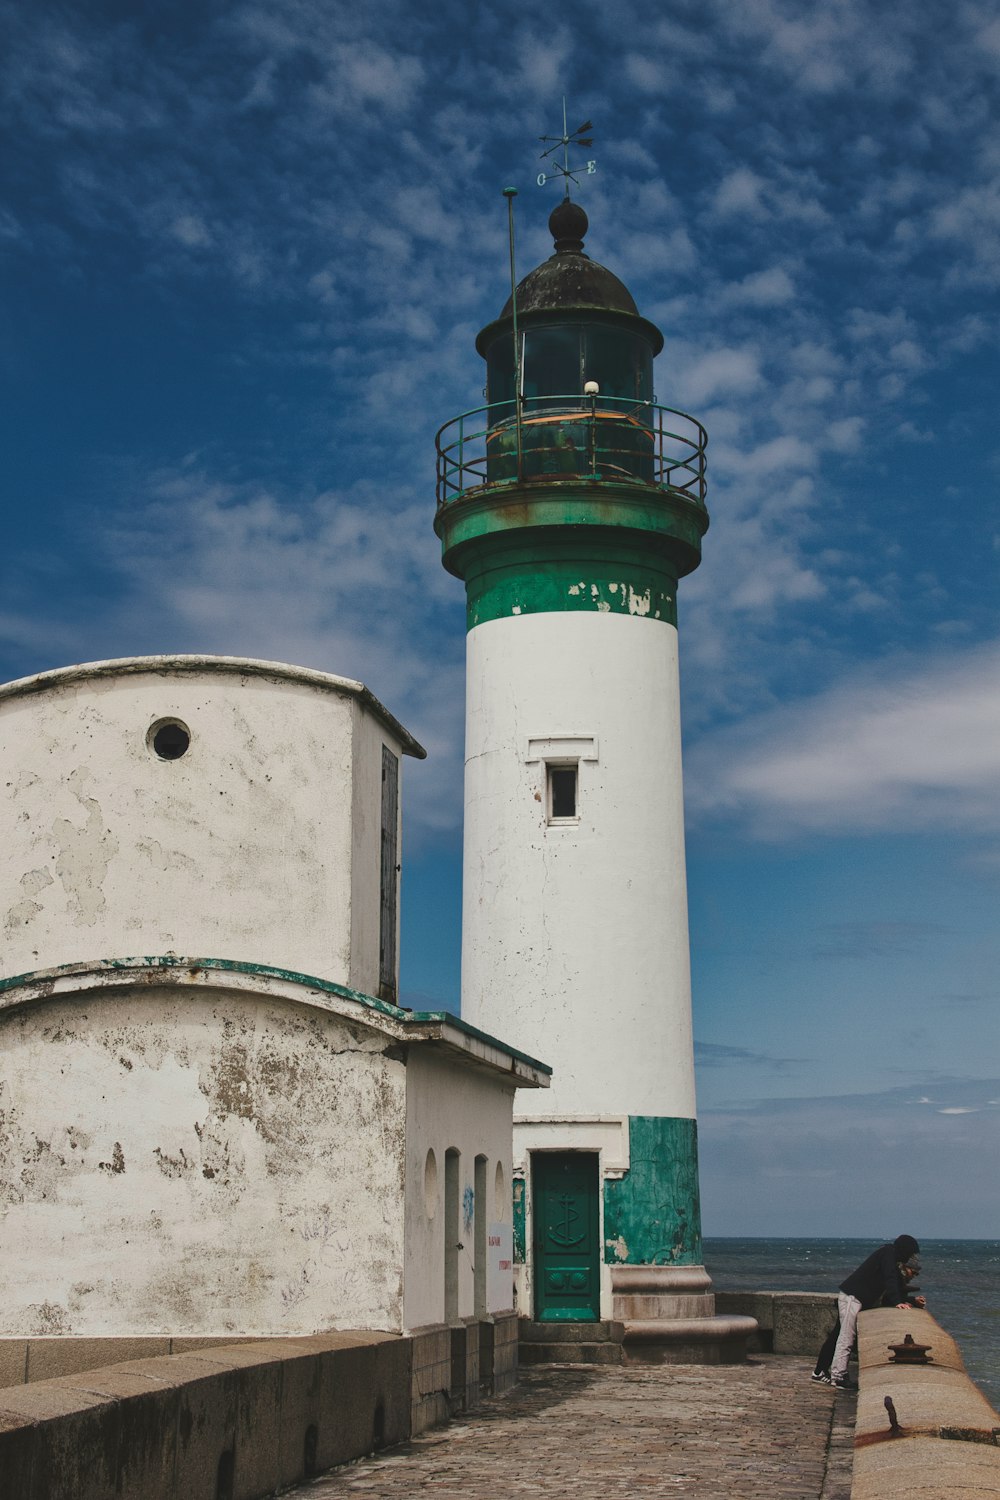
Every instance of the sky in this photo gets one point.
(245, 252)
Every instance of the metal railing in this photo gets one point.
(571, 438)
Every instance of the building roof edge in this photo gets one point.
(246, 666)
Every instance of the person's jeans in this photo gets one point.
(849, 1308)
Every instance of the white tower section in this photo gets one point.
(575, 927)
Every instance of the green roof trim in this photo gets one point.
(269, 971)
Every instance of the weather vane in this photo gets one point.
(577, 137)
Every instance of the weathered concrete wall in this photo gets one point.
(239, 1422)
(241, 848)
(787, 1322)
(25, 1360)
(946, 1445)
(451, 1107)
(236, 1422)
(196, 1158)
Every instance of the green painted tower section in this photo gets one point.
(652, 1215)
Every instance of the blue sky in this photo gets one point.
(246, 250)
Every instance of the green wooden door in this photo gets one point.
(566, 1223)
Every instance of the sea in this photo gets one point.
(959, 1278)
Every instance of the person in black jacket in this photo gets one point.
(821, 1372)
(879, 1279)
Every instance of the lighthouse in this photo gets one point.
(570, 506)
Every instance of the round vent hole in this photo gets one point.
(169, 738)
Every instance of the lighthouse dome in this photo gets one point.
(570, 289)
(569, 278)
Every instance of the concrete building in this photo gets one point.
(214, 1118)
(570, 506)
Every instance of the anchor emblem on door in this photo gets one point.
(562, 1232)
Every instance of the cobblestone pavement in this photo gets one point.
(758, 1431)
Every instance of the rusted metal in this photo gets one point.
(909, 1352)
(568, 438)
(989, 1436)
(893, 1422)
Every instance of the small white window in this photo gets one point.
(562, 792)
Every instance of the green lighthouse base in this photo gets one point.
(660, 1292)
(607, 1244)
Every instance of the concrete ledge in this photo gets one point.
(788, 1322)
(237, 1421)
(228, 1421)
(681, 1341)
(946, 1447)
(654, 1280)
(26, 1359)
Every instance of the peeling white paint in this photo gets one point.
(214, 1152)
(189, 1149)
(85, 851)
(217, 1163)
(33, 882)
(164, 859)
(240, 849)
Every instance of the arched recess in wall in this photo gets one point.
(501, 1204)
(480, 1217)
(452, 1196)
(430, 1184)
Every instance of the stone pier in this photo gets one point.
(718, 1432)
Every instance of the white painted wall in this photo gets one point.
(449, 1105)
(575, 938)
(203, 1161)
(260, 844)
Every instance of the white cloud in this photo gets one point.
(718, 372)
(906, 746)
(739, 193)
(770, 288)
(191, 231)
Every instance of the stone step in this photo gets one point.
(570, 1354)
(607, 1332)
(719, 1340)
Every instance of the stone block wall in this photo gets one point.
(230, 1421)
(505, 1340)
(787, 1322)
(431, 1383)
